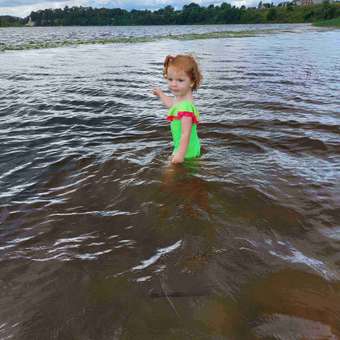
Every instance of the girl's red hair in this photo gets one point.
(186, 63)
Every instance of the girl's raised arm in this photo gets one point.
(167, 100)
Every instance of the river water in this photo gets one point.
(100, 238)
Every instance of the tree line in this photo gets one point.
(190, 14)
(7, 20)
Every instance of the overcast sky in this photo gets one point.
(22, 8)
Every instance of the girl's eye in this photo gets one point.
(181, 80)
(170, 79)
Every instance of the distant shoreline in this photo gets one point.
(137, 25)
(323, 23)
(288, 12)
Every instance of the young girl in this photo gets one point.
(184, 77)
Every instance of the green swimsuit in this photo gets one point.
(184, 108)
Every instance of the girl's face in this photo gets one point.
(179, 82)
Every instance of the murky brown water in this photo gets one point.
(101, 239)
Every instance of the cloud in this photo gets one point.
(22, 8)
(16, 3)
(27, 6)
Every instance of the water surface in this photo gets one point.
(100, 238)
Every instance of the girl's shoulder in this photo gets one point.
(184, 108)
(184, 105)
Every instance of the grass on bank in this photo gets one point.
(332, 22)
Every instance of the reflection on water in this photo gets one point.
(100, 237)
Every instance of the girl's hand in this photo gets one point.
(177, 159)
(166, 100)
(157, 92)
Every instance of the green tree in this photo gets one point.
(272, 14)
(190, 14)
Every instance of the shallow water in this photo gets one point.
(18, 38)
(101, 239)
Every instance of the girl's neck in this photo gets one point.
(186, 97)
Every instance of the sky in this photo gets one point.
(22, 8)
